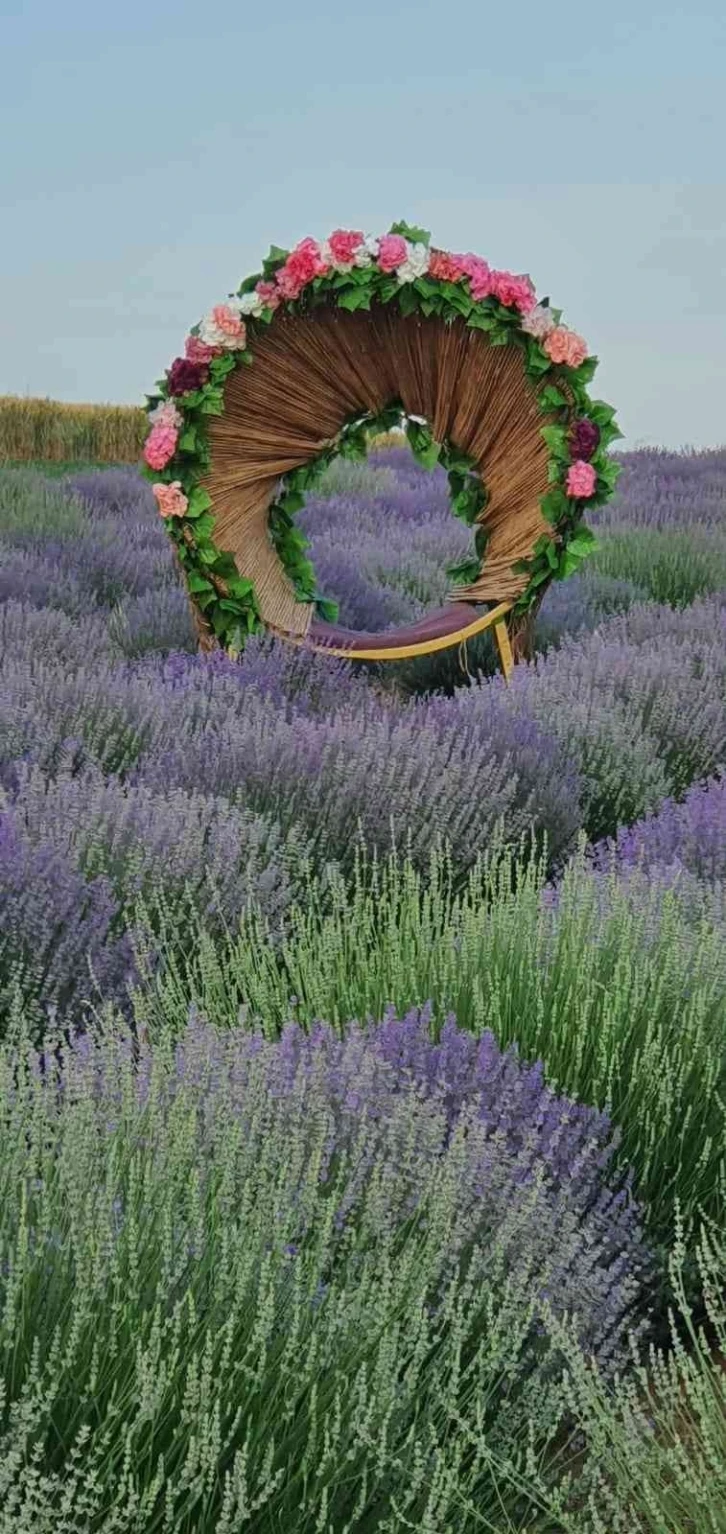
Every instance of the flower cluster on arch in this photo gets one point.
(354, 269)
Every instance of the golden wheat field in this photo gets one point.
(43, 429)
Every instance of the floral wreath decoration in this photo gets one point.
(354, 270)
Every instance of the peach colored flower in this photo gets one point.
(563, 345)
(446, 266)
(392, 251)
(196, 350)
(170, 499)
(160, 446)
(224, 327)
(581, 479)
(229, 323)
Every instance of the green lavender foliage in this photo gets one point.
(617, 985)
(673, 565)
(656, 1443)
(170, 1362)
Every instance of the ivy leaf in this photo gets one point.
(554, 505)
(585, 536)
(355, 298)
(225, 566)
(465, 572)
(326, 610)
(198, 583)
(200, 500)
(239, 586)
(204, 527)
(477, 321)
(219, 367)
(407, 299)
(609, 474)
(537, 361)
(411, 232)
(291, 501)
(188, 440)
(212, 402)
(601, 413)
(556, 439)
(354, 447)
(569, 564)
(274, 259)
(587, 370)
(552, 398)
(428, 456)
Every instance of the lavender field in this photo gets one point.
(363, 1160)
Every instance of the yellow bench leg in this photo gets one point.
(506, 659)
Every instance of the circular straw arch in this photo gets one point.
(476, 370)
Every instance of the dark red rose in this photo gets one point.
(184, 376)
(584, 439)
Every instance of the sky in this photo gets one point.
(152, 152)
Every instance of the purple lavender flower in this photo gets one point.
(690, 835)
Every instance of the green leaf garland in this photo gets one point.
(228, 599)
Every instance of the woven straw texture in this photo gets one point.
(312, 373)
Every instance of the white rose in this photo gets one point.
(210, 333)
(416, 263)
(251, 304)
(539, 322)
(367, 252)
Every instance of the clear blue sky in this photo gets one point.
(153, 150)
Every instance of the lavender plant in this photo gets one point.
(617, 985)
(673, 564)
(259, 1282)
(690, 834)
(656, 1442)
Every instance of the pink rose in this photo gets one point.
(303, 264)
(229, 324)
(581, 479)
(563, 345)
(344, 243)
(479, 274)
(269, 294)
(166, 414)
(170, 499)
(196, 350)
(160, 446)
(392, 252)
(514, 292)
